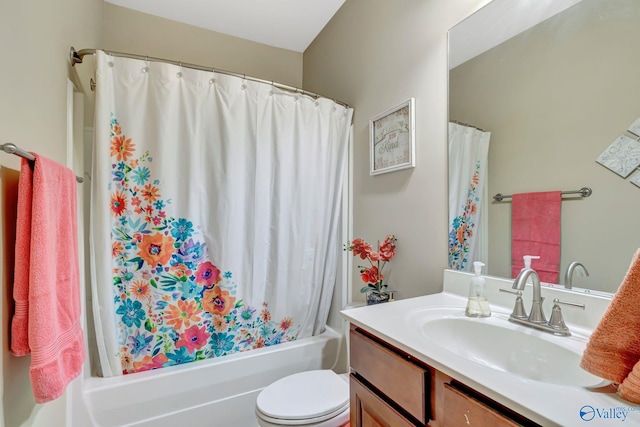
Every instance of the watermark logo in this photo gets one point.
(617, 413)
(587, 413)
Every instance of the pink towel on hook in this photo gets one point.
(47, 279)
(535, 230)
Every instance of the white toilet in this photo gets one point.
(317, 398)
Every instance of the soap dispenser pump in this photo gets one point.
(527, 260)
(477, 304)
(527, 264)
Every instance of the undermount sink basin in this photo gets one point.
(496, 343)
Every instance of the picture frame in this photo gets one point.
(392, 139)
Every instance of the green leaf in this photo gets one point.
(153, 283)
(137, 260)
(147, 325)
(122, 234)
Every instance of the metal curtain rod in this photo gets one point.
(12, 149)
(584, 192)
(76, 57)
(467, 125)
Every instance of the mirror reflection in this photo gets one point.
(550, 99)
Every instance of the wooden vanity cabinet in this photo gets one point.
(390, 388)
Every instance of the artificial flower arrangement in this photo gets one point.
(372, 275)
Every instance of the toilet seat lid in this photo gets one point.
(304, 395)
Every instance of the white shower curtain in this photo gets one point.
(215, 213)
(468, 196)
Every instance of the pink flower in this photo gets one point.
(371, 275)
(374, 256)
(388, 248)
(207, 274)
(378, 259)
(286, 323)
(360, 247)
(193, 338)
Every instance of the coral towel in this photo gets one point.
(614, 346)
(630, 387)
(535, 230)
(47, 280)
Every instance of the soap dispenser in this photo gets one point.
(477, 305)
(527, 260)
(527, 264)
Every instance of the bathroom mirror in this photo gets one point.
(554, 97)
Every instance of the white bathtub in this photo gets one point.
(218, 392)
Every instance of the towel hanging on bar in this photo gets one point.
(12, 149)
(584, 192)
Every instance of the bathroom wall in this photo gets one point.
(375, 54)
(127, 30)
(36, 36)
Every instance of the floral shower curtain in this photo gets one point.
(215, 213)
(468, 196)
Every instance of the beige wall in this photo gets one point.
(554, 98)
(126, 30)
(375, 54)
(36, 36)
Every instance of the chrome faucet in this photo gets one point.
(536, 315)
(568, 275)
(536, 318)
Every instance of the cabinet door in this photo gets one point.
(463, 410)
(368, 410)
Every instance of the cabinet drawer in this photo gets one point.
(369, 410)
(398, 379)
(463, 410)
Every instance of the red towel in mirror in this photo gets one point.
(535, 230)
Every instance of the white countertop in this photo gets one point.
(544, 403)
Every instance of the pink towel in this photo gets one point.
(47, 279)
(535, 230)
(20, 321)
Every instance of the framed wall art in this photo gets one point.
(392, 139)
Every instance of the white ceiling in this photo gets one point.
(498, 21)
(288, 24)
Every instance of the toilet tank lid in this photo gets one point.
(304, 395)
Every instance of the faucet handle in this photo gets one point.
(556, 301)
(557, 322)
(518, 310)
